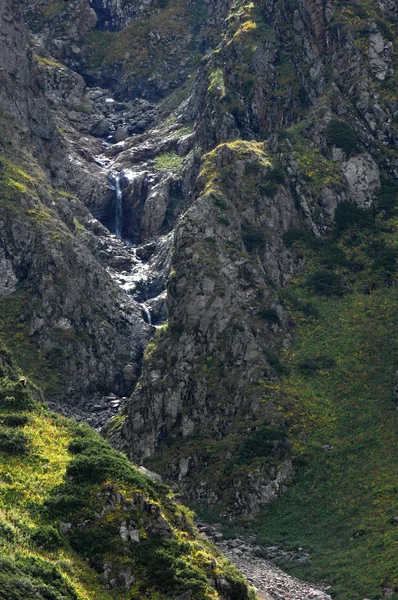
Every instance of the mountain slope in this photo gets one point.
(244, 157)
(78, 521)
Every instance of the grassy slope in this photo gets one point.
(53, 470)
(339, 403)
(344, 498)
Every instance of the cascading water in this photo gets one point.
(141, 275)
(115, 181)
(147, 313)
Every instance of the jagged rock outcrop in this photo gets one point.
(227, 319)
(76, 322)
(311, 77)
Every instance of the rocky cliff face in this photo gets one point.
(304, 77)
(208, 166)
(60, 308)
(180, 183)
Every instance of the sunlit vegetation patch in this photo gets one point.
(54, 471)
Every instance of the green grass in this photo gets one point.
(344, 427)
(169, 160)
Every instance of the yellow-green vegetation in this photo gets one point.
(20, 193)
(14, 331)
(169, 160)
(54, 471)
(79, 228)
(319, 171)
(338, 400)
(344, 428)
(52, 8)
(213, 177)
(241, 20)
(47, 62)
(216, 82)
(13, 182)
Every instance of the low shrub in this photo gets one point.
(269, 189)
(14, 420)
(219, 202)
(268, 442)
(276, 175)
(252, 168)
(330, 254)
(349, 215)
(7, 532)
(63, 504)
(47, 537)
(275, 362)
(385, 262)
(94, 542)
(166, 568)
(325, 283)
(32, 578)
(96, 461)
(268, 314)
(387, 198)
(14, 395)
(316, 363)
(298, 236)
(13, 442)
(341, 134)
(252, 238)
(385, 29)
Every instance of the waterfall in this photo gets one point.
(115, 181)
(147, 314)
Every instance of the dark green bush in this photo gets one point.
(94, 542)
(316, 363)
(385, 30)
(13, 442)
(165, 568)
(325, 283)
(275, 362)
(6, 531)
(385, 262)
(276, 175)
(252, 168)
(342, 135)
(268, 314)
(63, 504)
(291, 298)
(96, 467)
(387, 198)
(29, 578)
(14, 420)
(47, 537)
(96, 461)
(269, 189)
(350, 215)
(220, 202)
(14, 395)
(268, 441)
(299, 236)
(252, 238)
(330, 254)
